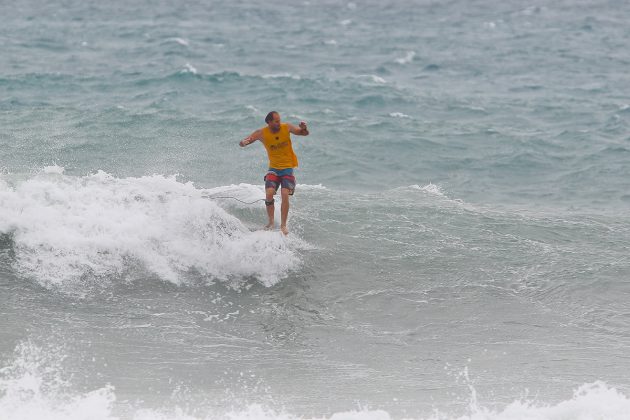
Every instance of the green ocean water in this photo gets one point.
(459, 234)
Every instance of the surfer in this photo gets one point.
(282, 160)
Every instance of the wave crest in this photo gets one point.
(66, 228)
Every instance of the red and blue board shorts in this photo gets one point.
(284, 178)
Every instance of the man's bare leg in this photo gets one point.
(284, 210)
(270, 208)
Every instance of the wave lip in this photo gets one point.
(66, 229)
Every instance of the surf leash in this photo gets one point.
(233, 198)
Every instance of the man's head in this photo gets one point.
(273, 120)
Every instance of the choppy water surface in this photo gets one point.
(459, 235)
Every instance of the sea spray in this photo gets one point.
(66, 228)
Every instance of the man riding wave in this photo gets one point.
(282, 160)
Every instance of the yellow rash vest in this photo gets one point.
(279, 148)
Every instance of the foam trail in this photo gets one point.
(67, 228)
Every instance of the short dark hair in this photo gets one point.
(269, 117)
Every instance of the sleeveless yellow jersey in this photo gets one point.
(279, 148)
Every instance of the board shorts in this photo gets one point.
(284, 178)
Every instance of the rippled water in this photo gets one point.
(459, 235)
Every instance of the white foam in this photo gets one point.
(373, 78)
(34, 386)
(248, 192)
(590, 401)
(281, 76)
(188, 68)
(398, 115)
(53, 169)
(408, 58)
(65, 228)
(312, 187)
(244, 192)
(252, 108)
(429, 188)
(180, 41)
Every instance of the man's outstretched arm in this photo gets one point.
(256, 135)
(302, 130)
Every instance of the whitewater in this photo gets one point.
(458, 244)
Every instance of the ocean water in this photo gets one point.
(460, 233)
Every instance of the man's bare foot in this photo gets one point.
(284, 230)
(269, 226)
